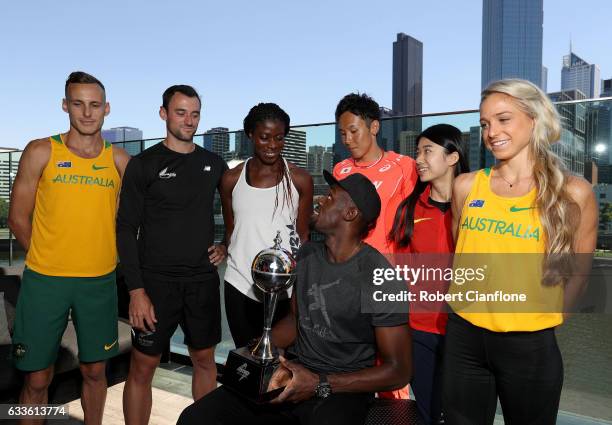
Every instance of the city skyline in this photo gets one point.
(304, 71)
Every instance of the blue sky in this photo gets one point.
(303, 55)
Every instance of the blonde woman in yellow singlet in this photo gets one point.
(528, 203)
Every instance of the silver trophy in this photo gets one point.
(273, 271)
(249, 371)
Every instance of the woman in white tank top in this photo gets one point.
(261, 196)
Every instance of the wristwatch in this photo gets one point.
(323, 389)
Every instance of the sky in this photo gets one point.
(303, 55)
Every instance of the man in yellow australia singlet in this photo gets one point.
(62, 212)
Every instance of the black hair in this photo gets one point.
(361, 105)
(80, 77)
(179, 88)
(265, 112)
(271, 112)
(449, 137)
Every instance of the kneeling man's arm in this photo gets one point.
(395, 352)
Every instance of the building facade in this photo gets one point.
(572, 147)
(121, 135)
(606, 88)
(319, 158)
(295, 148)
(407, 75)
(512, 40)
(217, 140)
(407, 91)
(243, 146)
(578, 74)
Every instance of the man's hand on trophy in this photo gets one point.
(300, 387)
(142, 313)
(217, 253)
(280, 378)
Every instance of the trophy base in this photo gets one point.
(249, 376)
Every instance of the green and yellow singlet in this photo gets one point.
(73, 226)
(509, 235)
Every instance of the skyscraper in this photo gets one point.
(475, 149)
(244, 147)
(386, 134)
(120, 135)
(604, 133)
(606, 88)
(544, 85)
(577, 73)
(573, 147)
(512, 40)
(217, 140)
(477, 154)
(295, 148)
(407, 75)
(8, 170)
(340, 151)
(408, 143)
(319, 158)
(407, 92)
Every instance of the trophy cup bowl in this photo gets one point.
(249, 371)
(273, 270)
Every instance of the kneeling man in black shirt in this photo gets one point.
(334, 328)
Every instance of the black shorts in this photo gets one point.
(195, 306)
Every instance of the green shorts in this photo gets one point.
(43, 308)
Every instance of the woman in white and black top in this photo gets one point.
(261, 196)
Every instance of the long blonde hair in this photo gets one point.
(558, 211)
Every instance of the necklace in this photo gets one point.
(382, 153)
(512, 184)
(509, 184)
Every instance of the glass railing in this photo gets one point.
(586, 148)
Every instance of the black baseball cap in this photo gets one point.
(362, 192)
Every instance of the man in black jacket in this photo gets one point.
(165, 238)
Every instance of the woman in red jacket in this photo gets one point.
(422, 225)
